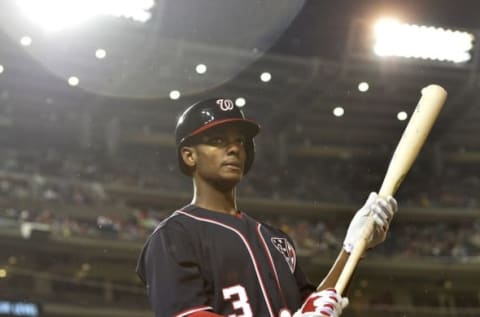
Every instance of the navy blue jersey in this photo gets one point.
(198, 259)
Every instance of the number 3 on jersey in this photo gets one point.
(239, 299)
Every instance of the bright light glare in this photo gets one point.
(3, 273)
(402, 116)
(240, 102)
(201, 68)
(265, 77)
(1, 69)
(363, 86)
(338, 111)
(73, 81)
(100, 53)
(26, 40)
(59, 14)
(413, 41)
(174, 94)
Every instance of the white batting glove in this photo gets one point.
(382, 209)
(326, 303)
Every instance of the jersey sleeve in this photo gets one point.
(171, 272)
(305, 286)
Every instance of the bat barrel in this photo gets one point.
(413, 138)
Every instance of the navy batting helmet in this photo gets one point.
(209, 113)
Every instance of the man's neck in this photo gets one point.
(209, 197)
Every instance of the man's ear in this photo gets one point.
(189, 156)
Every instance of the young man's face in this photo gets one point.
(220, 155)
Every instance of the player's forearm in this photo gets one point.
(332, 276)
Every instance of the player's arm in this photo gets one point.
(170, 270)
(335, 271)
(383, 210)
(326, 301)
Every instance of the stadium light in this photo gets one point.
(338, 111)
(363, 86)
(26, 41)
(201, 68)
(265, 77)
(402, 116)
(240, 102)
(59, 14)
(73, 80)
(174, 94)
(426, 42)
(100, 53)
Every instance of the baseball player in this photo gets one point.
(209, 258)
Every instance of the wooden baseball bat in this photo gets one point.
(413, 137)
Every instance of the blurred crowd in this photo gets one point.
(437, 241)
(47, 175)
(328, 180)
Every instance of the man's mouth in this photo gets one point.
(233, 165)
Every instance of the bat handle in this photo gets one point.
(355, 256)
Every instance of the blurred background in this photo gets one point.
(90, 92)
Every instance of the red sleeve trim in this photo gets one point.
(194, 311)
(204, 314)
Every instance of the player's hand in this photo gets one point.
(326, 303)
(382, 209)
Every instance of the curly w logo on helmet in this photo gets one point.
(225, 104)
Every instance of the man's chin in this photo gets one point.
(229, 180)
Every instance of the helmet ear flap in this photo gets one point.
(250, 153)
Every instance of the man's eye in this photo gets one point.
(222, 141)
(241, 141)
(217, 141)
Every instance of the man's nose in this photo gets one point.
(234, 147)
